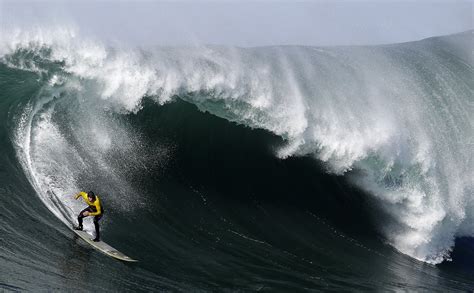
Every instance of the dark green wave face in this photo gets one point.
(228, 169)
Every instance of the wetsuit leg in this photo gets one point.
(96, 225)
(81, 216)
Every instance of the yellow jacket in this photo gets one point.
(94, 205)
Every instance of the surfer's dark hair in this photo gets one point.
(91, 194)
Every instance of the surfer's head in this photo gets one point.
(91, 196)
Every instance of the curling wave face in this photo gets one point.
(395, 119)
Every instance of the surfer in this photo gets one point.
(94, 210)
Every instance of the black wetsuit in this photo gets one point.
(96, 219)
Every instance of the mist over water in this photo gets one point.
(393, 120)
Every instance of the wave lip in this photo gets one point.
(398, 114)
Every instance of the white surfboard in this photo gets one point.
(103, 247)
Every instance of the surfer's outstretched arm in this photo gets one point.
(83, 194)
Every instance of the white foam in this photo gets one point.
(44, 170)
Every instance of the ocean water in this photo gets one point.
(284, 168)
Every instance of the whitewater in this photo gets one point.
(396, 120)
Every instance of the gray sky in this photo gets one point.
(246, 23)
